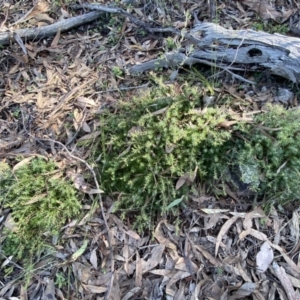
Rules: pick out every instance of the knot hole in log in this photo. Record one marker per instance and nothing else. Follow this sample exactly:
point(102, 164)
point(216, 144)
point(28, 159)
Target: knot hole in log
point(254, 52)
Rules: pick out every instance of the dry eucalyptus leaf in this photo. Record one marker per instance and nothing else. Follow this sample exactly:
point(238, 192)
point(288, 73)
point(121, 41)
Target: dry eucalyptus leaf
point(169, 148)
point(94, 259)
point(285, 281)
point(187, 177)
point(6, 261)
point(90, 136)
point(39, 8)
point(263, 8)
point(181, 181)
point(22, 163)
point(156, 255)
point(49, 292)
point(245, 290)
point(94, 289)
point(10, 223)
point(264, 257)
point(223, 231)
point(86, 127)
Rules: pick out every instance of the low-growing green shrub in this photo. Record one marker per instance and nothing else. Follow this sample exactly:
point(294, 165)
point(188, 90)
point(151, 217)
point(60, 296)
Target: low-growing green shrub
point(153, 140)
point(270, 158)
point(40, 205)
point(148, 143)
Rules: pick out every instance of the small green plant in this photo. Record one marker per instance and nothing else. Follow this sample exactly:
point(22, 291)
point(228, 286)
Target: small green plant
point(40, 206)
point(117, 71)
point(271, 27)
point(16, 113)
point(171, 44)
point(141, 32)
point(60, 280)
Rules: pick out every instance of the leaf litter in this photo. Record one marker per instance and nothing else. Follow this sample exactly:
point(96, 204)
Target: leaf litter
point(221, 251)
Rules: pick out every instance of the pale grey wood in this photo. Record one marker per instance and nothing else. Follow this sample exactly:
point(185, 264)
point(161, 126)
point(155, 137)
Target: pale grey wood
point(230, 49)
point(46, 31)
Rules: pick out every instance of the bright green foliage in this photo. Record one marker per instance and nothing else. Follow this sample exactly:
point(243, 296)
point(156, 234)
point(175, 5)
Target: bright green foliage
point(40, 205)
point(148, 143)
point(153, 140)
point(5, 171)
point(271, 157)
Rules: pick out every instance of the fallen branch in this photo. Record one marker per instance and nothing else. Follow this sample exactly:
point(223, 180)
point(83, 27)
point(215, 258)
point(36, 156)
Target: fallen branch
point(212, 45)
point(223, 48)
point(49, 30)
point(249, 49)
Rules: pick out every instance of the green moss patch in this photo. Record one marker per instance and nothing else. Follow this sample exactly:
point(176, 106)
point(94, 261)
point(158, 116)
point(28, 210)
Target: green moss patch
point(147, 144)
point(270, 156)
point(153, 140)
point(40, 205)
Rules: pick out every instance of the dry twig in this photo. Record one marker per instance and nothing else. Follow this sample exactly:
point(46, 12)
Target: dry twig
point(45, 31)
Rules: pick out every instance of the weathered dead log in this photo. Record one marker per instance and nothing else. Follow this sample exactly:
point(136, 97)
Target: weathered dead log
point(211, 44)
point(46, 31)
point(232, 49)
